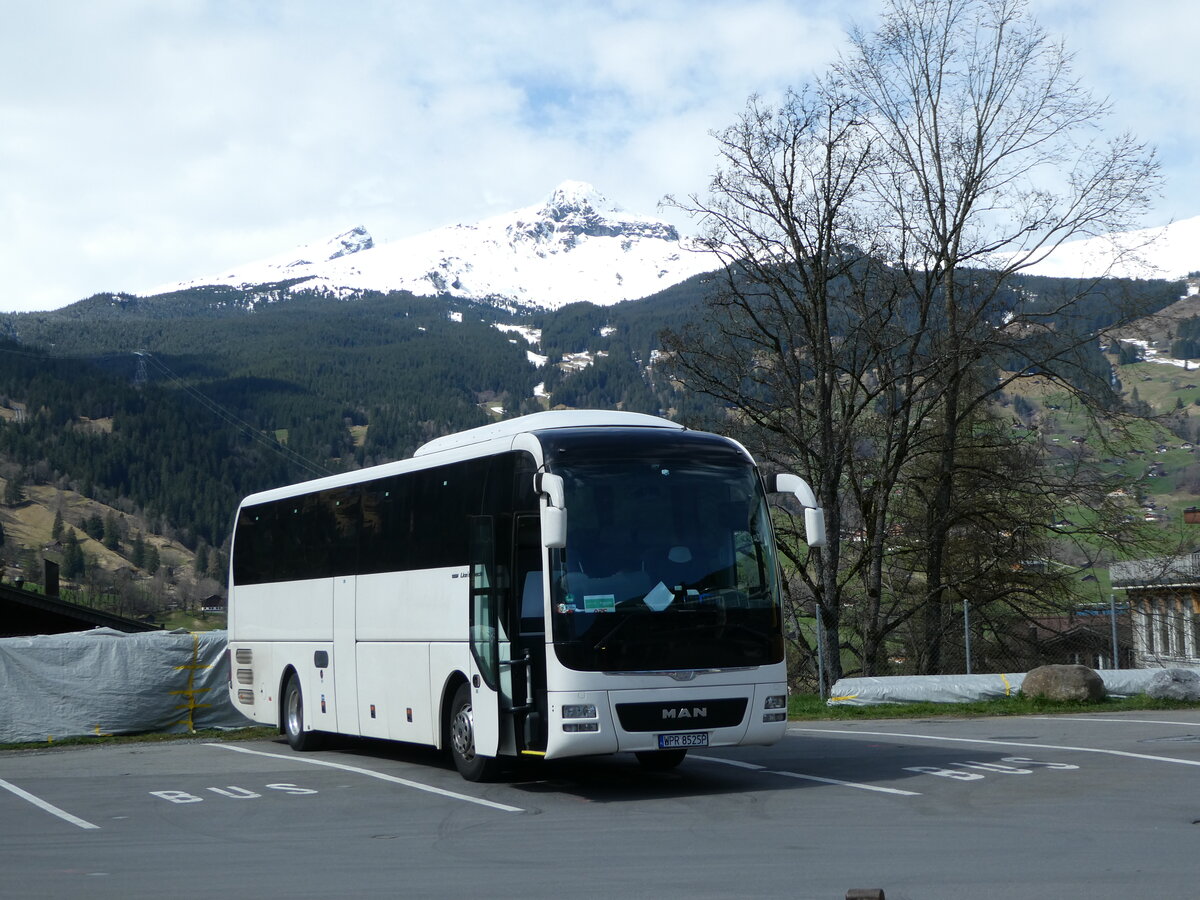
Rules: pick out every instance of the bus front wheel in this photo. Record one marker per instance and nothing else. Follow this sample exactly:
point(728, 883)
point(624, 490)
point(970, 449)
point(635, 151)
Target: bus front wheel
point(293, 718)
point(470, 765)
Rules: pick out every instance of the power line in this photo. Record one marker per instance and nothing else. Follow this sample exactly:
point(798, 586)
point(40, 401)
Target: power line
point(28, 354)
point(139, 376)
point(211, 405)
point(221, 412)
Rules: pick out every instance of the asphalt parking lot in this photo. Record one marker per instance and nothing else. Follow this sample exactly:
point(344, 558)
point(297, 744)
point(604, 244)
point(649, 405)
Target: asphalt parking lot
point(1085, 806)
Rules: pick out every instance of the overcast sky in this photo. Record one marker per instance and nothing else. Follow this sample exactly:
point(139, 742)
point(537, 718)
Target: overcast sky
point(146, 141)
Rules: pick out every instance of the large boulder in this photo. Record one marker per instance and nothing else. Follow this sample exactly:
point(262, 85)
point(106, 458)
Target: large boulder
point(1174, 684)
point(1063, 683)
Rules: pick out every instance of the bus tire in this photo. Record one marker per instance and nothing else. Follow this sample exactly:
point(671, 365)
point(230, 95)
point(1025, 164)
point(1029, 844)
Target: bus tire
point(461, 727)
point(293, 718)
point(660, 760)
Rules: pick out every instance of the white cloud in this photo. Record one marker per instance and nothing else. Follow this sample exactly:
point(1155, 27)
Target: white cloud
point(1139, 56)
point(144, 141)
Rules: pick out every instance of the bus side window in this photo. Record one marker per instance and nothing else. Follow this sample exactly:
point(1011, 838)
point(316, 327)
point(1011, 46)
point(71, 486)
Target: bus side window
point(254, 545)
point(384, 544)
point(532, 604)
point(529, 575)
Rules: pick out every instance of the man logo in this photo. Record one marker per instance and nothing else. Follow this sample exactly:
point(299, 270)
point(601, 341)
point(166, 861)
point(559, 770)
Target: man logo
point(684, 712)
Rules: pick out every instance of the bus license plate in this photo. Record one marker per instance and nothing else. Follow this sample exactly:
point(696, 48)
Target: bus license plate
point(690, 739)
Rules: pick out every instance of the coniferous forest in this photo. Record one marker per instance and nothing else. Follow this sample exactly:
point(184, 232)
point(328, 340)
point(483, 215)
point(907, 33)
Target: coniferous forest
point(177, 406)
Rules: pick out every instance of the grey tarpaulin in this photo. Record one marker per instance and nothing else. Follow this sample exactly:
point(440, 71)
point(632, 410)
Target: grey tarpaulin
point(964, 688)
point(107, 682)
point(923, 689)
point(1130, 682)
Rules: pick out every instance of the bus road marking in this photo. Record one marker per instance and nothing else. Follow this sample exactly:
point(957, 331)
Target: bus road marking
point(850, 784)
point(995, 743)
point(1117, 721)
point(726, 762)
point(372, 774)
point(47, 807)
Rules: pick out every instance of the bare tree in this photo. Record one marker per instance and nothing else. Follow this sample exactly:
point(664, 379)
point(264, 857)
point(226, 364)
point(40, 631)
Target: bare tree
point(874, 226)
point(794, 339)
point(989, 161)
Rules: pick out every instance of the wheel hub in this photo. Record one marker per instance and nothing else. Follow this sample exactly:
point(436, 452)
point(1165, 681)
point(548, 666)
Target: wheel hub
point(462, 733)
point(293, 712)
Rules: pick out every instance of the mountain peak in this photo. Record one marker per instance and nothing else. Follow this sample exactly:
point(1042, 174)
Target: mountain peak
point(336, 246)
point(573, 196)
point(575, 245)
point(577, 211)
point(353, 241)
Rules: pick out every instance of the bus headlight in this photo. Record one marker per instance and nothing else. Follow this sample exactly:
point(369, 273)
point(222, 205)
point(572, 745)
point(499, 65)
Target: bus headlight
point(579, 711)
point(775, 702)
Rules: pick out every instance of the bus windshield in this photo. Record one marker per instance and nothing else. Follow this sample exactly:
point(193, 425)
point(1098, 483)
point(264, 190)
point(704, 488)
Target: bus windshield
point(668, 564)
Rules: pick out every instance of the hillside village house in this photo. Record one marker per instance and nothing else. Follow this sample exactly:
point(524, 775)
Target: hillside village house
point(1164, 603)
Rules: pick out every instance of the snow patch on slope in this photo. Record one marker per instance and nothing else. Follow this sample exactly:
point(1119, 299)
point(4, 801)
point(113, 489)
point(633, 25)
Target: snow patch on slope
point(1169, 251)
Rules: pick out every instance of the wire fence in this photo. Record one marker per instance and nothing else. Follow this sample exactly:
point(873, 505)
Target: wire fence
point(966, 642)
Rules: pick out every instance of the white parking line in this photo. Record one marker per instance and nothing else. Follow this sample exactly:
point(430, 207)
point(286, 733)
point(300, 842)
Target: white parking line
point(1119, 721)
point(994, 743)
point(726, 762)
point(849, 784)
point(372, 774)
point(48, 807)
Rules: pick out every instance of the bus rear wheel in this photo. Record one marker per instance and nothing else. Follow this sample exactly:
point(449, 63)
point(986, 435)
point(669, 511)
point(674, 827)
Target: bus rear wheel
point(293, 718)
point(660, 760)
point(470, 764)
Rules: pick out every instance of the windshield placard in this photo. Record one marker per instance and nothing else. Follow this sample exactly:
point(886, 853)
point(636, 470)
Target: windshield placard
point(659, 598)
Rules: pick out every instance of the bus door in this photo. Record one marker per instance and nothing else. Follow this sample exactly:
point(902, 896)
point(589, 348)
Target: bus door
point(508, 634)
point(487, 642)
point(528, 623)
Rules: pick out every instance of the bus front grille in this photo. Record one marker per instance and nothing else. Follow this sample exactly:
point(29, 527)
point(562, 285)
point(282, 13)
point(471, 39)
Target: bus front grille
point(687, 715)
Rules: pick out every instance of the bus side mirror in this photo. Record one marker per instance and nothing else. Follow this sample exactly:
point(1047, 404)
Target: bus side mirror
point(814, 527)
point(554, 512)
point(814, 516)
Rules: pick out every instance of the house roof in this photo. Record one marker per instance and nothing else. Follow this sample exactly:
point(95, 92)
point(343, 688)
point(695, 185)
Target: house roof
point(25, 613)
point(1162, 571)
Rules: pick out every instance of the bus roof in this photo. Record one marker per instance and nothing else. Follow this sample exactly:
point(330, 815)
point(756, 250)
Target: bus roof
point(559, 418)
point(556, 419)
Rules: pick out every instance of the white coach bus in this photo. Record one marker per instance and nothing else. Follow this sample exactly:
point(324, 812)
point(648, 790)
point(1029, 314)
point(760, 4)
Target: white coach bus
point(561, 584)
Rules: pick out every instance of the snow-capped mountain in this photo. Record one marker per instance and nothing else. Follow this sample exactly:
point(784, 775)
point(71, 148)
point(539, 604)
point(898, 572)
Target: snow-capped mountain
point(1169, 251)
point(575, 246)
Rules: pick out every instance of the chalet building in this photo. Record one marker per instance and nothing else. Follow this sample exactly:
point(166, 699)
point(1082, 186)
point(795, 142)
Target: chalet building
point(1083, 637)
point(214, 603)
point(1164, 602)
